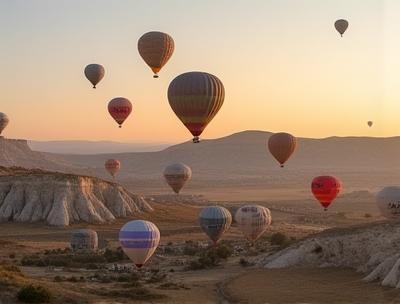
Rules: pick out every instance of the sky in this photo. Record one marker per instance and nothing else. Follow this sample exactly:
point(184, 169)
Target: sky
point(283, 65)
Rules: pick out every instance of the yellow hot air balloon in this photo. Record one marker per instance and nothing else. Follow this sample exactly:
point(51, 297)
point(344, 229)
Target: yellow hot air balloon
point(282, 145)
point(156, 49)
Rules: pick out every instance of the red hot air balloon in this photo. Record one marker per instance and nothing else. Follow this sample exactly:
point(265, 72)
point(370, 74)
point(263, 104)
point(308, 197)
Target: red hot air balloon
point(196, 98)
point(112, 166)
point(119, 109)
point(325, 189)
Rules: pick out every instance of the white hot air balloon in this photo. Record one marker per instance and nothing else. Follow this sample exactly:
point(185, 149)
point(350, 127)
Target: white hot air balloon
point(388, 202)
point(253, 220)
point(139, 239)
point(3, 121)
point(177, 175)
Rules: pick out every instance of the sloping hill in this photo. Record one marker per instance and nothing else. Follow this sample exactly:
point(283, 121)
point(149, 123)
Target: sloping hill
point(243, 156)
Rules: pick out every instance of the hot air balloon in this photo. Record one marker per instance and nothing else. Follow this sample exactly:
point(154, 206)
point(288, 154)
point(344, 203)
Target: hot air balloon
point(370, 123)
point(196, 98)
point(388, 201)
point(325, 189)
point(112, 166)
point(94, 73)
point(177, 175)
point(282, 146)
point(253, 220)
point(341, 26)
point(119, 109)
point(156, 49)
point(139, 239)
point(3, 121)
point(215, 220)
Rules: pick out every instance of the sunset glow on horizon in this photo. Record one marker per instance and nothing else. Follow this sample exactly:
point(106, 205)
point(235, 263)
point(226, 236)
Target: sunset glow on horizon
point(283, 65)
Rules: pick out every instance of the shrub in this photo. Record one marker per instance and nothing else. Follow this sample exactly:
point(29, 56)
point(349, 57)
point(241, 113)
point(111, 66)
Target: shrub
point(279, 239)
point(211, 257)
point(367, 215)
point(34, 294)
point(243, 262)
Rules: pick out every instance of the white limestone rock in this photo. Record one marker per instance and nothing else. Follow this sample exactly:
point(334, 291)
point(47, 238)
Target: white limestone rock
point(61, 199)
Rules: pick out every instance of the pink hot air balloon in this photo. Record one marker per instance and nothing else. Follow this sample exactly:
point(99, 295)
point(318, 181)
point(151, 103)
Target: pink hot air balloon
point(119, 108)
point(112, 166)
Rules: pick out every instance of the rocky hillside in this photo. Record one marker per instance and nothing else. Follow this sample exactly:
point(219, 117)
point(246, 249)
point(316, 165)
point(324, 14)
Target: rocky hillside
point(61, 199)
point(372, 249)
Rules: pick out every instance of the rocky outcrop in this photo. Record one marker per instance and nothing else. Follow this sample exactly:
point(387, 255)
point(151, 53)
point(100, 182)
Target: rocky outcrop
point(61, 199)
point(373, 249)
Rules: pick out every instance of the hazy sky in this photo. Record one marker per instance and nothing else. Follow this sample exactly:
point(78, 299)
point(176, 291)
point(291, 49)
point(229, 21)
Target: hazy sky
point(283, 65)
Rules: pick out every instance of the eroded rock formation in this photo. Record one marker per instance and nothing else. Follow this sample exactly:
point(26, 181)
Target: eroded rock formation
point(373, 249)
point(61, 199)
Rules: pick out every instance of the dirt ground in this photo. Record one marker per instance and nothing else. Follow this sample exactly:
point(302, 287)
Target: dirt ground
point(228, 282)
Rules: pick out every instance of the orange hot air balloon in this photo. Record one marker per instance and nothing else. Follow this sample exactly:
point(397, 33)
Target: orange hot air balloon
point(156, 49)
point(119, 109)
point(282, 145)
point(325, 189)
point(196, 98)
point(112, 166)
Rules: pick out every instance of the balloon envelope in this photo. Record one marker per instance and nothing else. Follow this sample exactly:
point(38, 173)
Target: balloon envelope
point(341, 26)
point(325, 189)
point(120, 108)
point(4, 120)
point(370, 123)
point(282, 145)
point(196, 98)
point(177, 175)
point(112, 166)
point(139, 239)
point(388, 202)
point(156, 49)
point(215, 220)
point(253, 220)
point(94, 73)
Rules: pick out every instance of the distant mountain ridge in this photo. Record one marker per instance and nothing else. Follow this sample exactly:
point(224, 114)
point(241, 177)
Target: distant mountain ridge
point(244, 156)
point(241, 158)
point(92, 147)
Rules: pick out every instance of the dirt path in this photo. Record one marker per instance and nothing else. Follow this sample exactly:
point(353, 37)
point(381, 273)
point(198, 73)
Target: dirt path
point(305, 285)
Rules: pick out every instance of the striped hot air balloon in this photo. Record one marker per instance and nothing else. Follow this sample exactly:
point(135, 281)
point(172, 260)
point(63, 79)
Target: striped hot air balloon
point(112, 166)
point(282, 145)
point(120, 108)
point(196, 98)
point(156, 49)
point(176, 175)
point(253, 220)
point(215, 220)
point(139, 239)
point(325, 189)
point(94, 73)
point(4, 120)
